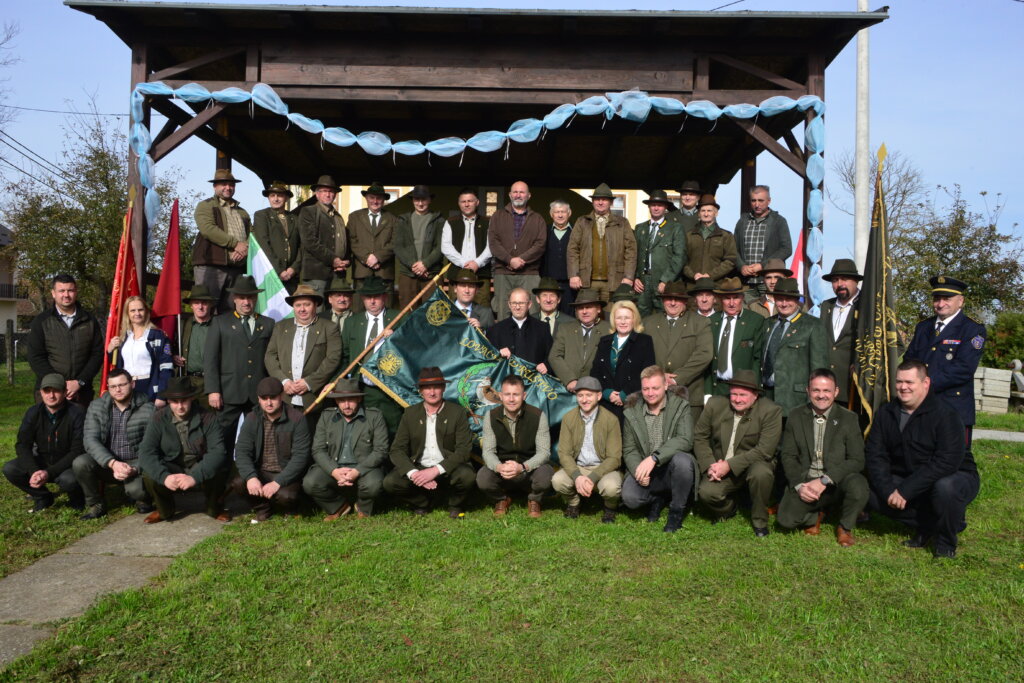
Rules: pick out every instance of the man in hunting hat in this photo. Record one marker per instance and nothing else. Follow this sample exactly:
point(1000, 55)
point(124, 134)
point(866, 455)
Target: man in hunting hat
point(324, 240)
point(950, 343)
point(710, 250)
point(233, 357)
point(823, 458)
point(516, 450)
point(466, 283)
point(48, 441)
point(360, 331)
point(602, 248)
point(660, 251)
point(372, 231)
point(794, 345)
point(304, 351)
point(272, 453)
point(464, 243)
point(277, 231)
point(689, 197)
point(737, 337)
point(548, 295)
point(418, 246)
point(194, 330)
point(702, 297)
point(431, 450)
point(574, 346)
point(183, 447)
point(339, 298)
point(773, 271)
point(517, 236)
point(760, 235)
point(734, 442)
point(221, 247)
point(682, 344)
point(554, 263)
point(350, 448)
point(839, 318)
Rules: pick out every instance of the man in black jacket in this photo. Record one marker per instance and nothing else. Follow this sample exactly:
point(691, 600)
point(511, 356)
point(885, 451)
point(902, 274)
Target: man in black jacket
point(920, 470)
point(520, 334)
point(49, 440)
point(66, 340)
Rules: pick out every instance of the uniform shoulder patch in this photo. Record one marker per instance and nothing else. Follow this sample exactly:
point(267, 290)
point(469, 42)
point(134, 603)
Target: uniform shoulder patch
point(978, 342)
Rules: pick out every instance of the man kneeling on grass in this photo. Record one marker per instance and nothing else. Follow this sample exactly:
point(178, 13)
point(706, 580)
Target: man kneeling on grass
point(823, 456)
point(657, 443)
point(114, 426)
point(350, 448)
point(431, 450)
point(49, 440)
point(590, 452)
point(272, 452)
point(183, 448)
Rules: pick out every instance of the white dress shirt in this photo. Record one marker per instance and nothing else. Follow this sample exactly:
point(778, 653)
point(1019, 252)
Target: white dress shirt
point(299, 355)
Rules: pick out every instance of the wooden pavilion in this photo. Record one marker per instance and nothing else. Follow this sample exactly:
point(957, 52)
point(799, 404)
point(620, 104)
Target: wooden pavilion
point(427, 73)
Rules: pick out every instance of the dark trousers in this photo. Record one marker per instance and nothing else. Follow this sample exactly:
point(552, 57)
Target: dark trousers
point(286, 496)
point(19, 476)
point(672, 482)
point(568, 296)
point(410, 286)
point(92, 476)
point(325, 492)
point(213, 491)
point(648, 301)
point(851, 495)
point(719, 496)
point(457, 484)
point(227, 418)
point(218, 279)
point(537, 483)
point(375, 398)
point(940, 512)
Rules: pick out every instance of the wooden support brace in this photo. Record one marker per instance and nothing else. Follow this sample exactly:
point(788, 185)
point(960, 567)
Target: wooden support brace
point(776, 79)
point(202, 60)
point(168, 145)
point(795, 163)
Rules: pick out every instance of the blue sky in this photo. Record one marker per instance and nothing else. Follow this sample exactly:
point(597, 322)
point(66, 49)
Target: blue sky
point(945, 90)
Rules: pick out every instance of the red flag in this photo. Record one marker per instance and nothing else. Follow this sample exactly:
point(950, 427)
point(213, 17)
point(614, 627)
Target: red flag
point(126, 284)
point(797, 265)
point(167, 302)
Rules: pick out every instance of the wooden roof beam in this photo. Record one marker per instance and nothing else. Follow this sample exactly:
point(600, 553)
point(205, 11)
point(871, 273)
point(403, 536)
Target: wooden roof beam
point(190, 64)
point(764, 74)
point(187, 130)
point(795, 163)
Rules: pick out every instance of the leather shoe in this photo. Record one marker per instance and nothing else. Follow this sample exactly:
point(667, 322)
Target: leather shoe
point(144, 508)
point(916, 541)
point(224, 517)
point(502, 506)
point(360, 514)
point(533, 507)
point(946, 554)
point(815, 528)
point(675, 520)
point(844, 537)
point(421, 512)
point(42, 503)
point(760, 531)
point(153, 517)
point(608, 517)
point(724, 517)
point(572, 512)
point(340, 512)
point(455, 513)
point(654, 512)
point(95, 512)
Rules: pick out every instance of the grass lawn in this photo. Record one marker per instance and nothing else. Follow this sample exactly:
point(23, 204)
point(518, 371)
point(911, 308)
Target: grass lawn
point(1010, 422)
point(25, 538)
point(403, 598)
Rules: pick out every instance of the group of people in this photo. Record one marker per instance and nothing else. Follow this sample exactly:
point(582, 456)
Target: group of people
point(698, 373)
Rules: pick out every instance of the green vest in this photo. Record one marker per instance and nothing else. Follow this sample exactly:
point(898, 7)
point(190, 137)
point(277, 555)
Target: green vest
point(524, 446)
point(599, 267)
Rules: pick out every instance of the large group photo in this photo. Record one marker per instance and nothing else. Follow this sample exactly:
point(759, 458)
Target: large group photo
point(389, 393)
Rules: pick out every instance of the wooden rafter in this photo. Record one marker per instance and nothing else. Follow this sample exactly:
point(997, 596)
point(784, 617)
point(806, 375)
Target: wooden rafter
point(774, 78)
point(201, 60)
point(186, 130)
point(795, 163)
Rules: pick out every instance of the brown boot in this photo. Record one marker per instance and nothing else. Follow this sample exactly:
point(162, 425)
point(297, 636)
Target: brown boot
point(339, 513)
point(153, 517)
point(816, 528)
point(533, 506)
point(843, 536)
point(502, 506)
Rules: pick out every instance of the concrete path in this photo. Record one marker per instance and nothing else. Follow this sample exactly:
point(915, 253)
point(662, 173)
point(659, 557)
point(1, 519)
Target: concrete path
point(994, 435)
point(122, 555)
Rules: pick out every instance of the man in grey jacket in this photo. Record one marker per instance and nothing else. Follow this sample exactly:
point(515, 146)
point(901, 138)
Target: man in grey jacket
point(114, 426)
point(762, 234)
point(657, 446)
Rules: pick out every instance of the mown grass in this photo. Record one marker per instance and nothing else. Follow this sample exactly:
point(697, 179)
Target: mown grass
point(25, 538)
point(1008, 422)
point(403, 598)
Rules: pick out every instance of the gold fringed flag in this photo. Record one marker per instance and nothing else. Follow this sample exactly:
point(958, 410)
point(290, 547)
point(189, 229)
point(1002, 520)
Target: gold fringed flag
point(126, 284)
point(876, 345)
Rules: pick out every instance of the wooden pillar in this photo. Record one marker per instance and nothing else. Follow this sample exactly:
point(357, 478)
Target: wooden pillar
point(139, 230)
point(223, 160)
point(748, 178)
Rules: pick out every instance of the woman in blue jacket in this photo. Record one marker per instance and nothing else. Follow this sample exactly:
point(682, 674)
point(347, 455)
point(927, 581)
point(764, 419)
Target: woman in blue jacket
point(143, 350)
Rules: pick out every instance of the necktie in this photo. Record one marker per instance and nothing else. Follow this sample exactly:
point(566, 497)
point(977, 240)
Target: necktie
point(245, 326)
point(547, 321)
point(373, 331)
point(774, 342)
point(672, 323)
point(723, 346)
point(938, 328)
point(373, 221)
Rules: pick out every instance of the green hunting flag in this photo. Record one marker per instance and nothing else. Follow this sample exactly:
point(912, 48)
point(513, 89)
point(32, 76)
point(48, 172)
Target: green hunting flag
point(876, 349)
point(270, 302)
point(438, 334)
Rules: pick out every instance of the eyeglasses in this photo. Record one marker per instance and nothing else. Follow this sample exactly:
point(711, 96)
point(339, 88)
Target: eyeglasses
point(117, 386)
point(518, 303)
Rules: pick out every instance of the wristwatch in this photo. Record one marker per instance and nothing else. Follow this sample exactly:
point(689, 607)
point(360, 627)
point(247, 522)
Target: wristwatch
point(654, 457)
point(825, 480)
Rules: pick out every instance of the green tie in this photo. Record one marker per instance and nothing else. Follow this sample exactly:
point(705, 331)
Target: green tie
point(723, 346)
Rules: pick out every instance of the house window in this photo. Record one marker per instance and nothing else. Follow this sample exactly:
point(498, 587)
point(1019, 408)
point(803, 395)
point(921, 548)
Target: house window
point(619, 205)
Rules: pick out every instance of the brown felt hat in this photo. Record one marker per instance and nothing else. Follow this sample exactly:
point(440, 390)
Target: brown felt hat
point(179, 388)
point(346, 388)
point(787, 286)
point(731, 285)
point(548, 284)
point(776, 265)
point(659, 197)
point(587, 297)
point(705, 284)
point(431, 376)
point(602, 191)
point(223, 175)
point(674, 290)
point(325, 181)
point(307, 292)
point(278, 187)
point(746, 379)
point(464, 276)
point(708, 200)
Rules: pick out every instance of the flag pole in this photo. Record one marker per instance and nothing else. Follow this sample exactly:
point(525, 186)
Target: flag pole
point(329, 387)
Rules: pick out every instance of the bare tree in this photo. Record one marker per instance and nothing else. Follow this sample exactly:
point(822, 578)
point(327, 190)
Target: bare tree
point(7, 60)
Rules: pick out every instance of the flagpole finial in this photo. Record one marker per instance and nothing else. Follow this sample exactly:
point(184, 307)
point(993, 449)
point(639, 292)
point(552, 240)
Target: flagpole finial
point(882, 154)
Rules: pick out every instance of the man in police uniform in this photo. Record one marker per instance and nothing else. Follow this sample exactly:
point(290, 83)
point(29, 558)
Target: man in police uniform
point(950, 344)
